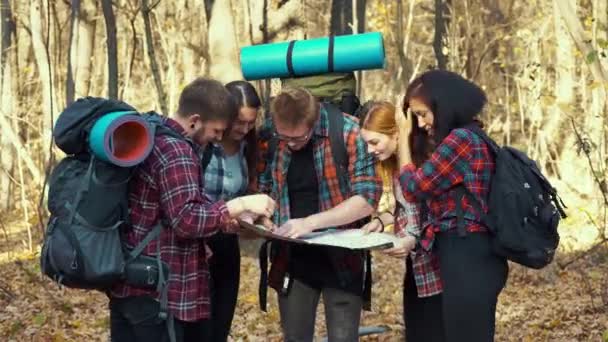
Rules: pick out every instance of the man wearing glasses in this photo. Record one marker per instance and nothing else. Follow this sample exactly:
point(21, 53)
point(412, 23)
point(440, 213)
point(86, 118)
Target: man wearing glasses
point(302, 177)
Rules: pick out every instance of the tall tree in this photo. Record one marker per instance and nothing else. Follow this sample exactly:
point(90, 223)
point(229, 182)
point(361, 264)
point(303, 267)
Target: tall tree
point(341, 20)
point(80, 49)
point(442, 21)
point(223, 50)
point(108, 14)
point(8, 96)
point(39, 21)
point(162, 98)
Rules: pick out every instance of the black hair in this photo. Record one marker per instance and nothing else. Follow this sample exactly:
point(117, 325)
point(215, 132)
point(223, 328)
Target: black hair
point(244, 93)
point(454, 101)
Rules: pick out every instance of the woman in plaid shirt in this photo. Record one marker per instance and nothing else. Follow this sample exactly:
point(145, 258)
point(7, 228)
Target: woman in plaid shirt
point(423, 280)
point(439, 156)
point(230, 173)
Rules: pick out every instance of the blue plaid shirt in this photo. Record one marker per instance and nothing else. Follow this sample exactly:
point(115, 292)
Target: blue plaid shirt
point(214, 174)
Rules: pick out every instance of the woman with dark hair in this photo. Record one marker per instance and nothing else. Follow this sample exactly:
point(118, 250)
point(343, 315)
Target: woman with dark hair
point(230, 173)
point(441, 159)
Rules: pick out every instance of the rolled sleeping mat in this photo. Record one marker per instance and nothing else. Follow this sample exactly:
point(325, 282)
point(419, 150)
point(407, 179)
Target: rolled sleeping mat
point(122, 138)
point(313, 56)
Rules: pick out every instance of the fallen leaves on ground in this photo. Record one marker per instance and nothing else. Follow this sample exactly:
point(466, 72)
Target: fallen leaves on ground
point(546, 305)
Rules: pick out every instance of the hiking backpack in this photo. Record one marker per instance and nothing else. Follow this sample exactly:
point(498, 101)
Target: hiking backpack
point(339, 89)
point(88, 203)
point(524, 210)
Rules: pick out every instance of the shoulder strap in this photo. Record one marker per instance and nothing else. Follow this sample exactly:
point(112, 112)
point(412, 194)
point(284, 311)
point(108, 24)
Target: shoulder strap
point(484, 136)
point(206, 158)
point(336, 139)
point(338, 146)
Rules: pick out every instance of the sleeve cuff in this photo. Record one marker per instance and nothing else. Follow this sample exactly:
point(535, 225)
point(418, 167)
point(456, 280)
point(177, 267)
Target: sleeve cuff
point(224, 213)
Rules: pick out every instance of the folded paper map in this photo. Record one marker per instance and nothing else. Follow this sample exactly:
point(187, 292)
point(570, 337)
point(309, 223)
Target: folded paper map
point(345, 238)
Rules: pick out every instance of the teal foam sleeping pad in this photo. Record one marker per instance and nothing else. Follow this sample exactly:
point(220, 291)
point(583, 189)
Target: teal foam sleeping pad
point(312, 57)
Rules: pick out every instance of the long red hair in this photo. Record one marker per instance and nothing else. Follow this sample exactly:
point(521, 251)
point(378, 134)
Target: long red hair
point(380, 118)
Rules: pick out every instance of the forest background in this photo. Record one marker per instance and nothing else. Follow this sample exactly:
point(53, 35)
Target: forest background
point(543, 64)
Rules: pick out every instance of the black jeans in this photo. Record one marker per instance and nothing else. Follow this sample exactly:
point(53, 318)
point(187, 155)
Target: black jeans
point(225, 276)
point(135, 319)
point(473, 277)
point(299, 309)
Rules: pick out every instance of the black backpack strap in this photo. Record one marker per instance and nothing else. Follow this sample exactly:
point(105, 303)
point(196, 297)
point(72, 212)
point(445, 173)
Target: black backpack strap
point(206, 158)
point(153, 234)
point(484, 136)
point(338, 146)
point(367, 282)
point(163, 289)
point(263, 288)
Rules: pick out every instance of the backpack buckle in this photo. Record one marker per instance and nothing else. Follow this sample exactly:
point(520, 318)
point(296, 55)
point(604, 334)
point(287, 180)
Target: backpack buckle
point(150, 280)
point(74, 264)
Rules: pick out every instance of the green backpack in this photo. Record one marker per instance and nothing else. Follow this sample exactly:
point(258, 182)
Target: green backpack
point(339, 89)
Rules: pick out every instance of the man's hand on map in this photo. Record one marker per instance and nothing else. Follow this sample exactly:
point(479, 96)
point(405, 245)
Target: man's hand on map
point(267, 223)
point(402, 248)
point(295, 228)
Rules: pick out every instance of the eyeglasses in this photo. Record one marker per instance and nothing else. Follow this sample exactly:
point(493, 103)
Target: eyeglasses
point(299, 139)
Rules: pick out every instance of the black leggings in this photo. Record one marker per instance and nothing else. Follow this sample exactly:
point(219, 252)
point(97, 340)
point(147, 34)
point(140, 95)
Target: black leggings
point(225, 275)
point(472, 277)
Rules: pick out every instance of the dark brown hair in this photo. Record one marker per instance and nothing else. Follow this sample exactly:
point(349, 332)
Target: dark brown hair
point(209, 99)
point(245, 95)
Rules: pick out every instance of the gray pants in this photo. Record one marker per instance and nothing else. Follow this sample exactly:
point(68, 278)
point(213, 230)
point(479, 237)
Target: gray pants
point(299, 308)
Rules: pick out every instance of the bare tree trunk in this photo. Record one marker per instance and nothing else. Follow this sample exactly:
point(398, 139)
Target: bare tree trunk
point(195, 55)
point(108, 14)
point(570, 160)
point(598, 118)
point(222, 43)
point(7, 30)
point(37, 18)
point(402, 40)
point(129, 62)
point(576, 31)
point(80, 50)
point(564, 86)
point(341, 17)
point(162, 99)
point(442, 21)
point(7, 130)
point(69, 83)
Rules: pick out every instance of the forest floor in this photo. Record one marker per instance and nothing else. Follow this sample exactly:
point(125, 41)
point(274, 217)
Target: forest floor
point(552, 304)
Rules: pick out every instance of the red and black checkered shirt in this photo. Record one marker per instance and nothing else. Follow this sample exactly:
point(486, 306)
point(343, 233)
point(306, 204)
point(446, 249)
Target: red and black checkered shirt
point(461, 158)
point(168, 186)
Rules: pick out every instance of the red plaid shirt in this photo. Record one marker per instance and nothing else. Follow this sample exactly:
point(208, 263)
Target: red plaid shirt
point(168, 185)
point(364, 181)
point(461, 158)
point(425, 264)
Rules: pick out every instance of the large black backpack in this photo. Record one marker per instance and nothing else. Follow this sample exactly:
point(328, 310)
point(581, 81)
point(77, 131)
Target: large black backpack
point(88, 203)
point(524, 210)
